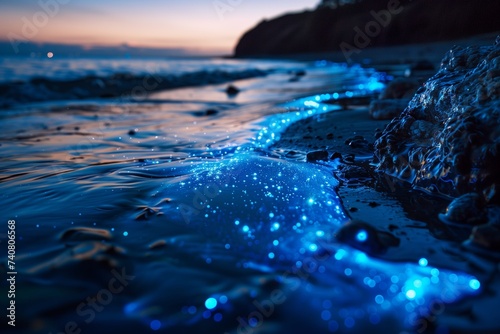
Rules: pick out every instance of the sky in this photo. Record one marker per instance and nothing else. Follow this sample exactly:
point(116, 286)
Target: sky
point(196, 25)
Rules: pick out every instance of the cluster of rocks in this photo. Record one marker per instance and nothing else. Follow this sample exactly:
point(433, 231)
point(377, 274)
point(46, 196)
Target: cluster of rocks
point(447, 140)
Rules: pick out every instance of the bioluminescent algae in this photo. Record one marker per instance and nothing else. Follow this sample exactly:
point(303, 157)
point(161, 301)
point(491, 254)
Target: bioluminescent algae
point(273, 217)
point(258, 203)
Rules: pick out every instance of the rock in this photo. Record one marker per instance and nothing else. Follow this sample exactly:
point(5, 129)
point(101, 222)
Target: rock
point(468, 209)
point(487, 236)
point(448, 138)
point(232, 90)
point(365, 237)
point(387, 109)
point(359, 142)
point(85, 233)
point(317, 155)
point(336, 155)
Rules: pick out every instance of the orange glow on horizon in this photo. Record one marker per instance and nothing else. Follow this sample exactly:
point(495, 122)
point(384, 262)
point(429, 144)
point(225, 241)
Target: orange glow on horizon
point(203, 27)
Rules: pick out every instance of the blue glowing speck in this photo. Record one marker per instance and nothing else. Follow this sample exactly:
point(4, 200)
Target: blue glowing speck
point(155, 325)
point(236, 222)
point(223, 299)
point(411, 294)
point(320, 233)
point(125, 233)
point(246, 228)
point(313, 247)
point(362, 236)
point(348, 271)
point(210, 303)
point(379, 299)
point(310, 201)
point(271, 255)
point(218, 317)
point(340, 254)
point(276, 242)
point(275, 227)
point(423, 262)
point(474, 284)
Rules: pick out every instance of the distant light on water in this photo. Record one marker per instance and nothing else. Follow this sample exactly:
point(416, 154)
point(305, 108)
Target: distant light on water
point(50, 55)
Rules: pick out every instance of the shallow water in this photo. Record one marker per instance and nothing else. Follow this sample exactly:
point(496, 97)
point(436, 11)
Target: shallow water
point(203, 227)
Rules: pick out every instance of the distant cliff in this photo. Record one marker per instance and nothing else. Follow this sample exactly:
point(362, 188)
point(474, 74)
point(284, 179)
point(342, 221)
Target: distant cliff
point(369, 23)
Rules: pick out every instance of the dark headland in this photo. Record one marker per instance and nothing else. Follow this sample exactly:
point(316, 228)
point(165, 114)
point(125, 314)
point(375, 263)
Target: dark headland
point(353, 27)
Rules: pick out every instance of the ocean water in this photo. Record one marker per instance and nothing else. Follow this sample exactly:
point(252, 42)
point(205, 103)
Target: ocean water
point(160, 208)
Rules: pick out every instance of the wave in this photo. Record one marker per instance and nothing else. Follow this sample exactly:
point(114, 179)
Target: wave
point(125, 86)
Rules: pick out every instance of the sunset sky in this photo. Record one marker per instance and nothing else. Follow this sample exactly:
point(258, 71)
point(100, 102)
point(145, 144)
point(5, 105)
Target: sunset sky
point(197, 25)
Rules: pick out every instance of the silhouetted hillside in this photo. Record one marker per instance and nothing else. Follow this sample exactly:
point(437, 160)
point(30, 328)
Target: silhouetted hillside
point(370, 23)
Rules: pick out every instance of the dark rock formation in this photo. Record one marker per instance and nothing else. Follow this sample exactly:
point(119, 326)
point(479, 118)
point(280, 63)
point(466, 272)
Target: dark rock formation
point(448, 138)
point(325, 29)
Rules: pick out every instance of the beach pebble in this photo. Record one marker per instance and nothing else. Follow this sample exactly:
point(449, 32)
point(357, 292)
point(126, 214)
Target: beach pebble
point(468, 209)
point(365, 237)
point(358, 142)
point(317, 155)
point(336, 155)
point(157, 244)
point(232, 90)
point(85, 233)
point(487, 236)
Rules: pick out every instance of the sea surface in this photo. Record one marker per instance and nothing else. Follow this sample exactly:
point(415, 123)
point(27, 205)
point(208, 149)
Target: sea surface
point(157, 206)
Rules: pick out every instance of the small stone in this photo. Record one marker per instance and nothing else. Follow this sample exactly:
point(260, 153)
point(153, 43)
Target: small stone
point(232, 90)
point(85, 233)
point(487, 236)
point(210, 112)
point(317, 155)
point(158, 244)
point(468, 209)
point(336, 155)
point(365, 237)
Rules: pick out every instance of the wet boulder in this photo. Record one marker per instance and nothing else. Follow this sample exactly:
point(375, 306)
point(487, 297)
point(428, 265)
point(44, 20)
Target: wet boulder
point(448, 138)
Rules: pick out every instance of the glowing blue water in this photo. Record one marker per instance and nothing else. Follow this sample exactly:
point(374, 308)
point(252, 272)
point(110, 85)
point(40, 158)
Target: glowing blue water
point(210, 223)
